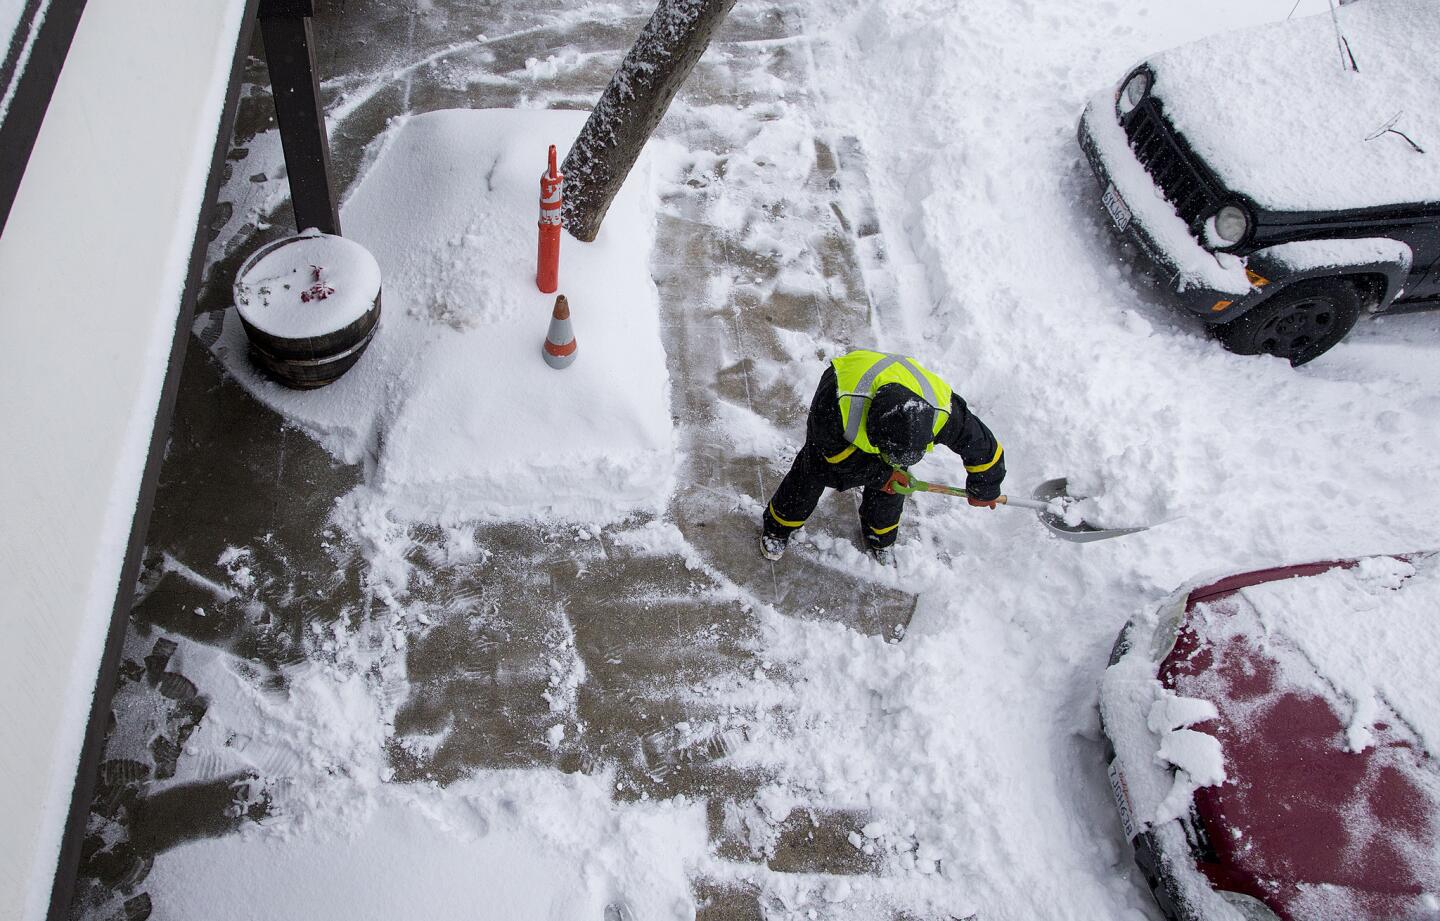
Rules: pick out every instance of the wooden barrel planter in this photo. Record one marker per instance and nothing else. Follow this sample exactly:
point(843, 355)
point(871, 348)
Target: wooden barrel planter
point(310, 305)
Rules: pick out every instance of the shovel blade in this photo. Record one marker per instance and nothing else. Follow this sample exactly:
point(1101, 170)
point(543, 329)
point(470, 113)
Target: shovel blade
point(1079, 533)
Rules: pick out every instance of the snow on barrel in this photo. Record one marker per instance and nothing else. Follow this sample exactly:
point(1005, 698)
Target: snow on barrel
point(310, 305)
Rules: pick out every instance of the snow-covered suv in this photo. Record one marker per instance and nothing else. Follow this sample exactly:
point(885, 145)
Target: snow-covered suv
point(1286, 177)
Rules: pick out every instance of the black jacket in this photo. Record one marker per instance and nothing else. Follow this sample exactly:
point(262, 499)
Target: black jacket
point(963, 433)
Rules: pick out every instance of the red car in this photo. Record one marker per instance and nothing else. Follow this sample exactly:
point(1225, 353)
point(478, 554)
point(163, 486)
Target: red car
point(1273, 741)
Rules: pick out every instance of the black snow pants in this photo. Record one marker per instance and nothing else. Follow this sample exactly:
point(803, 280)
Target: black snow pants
point(812, 473)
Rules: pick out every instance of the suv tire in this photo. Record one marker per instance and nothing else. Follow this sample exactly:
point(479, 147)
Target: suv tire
point(1299, 323)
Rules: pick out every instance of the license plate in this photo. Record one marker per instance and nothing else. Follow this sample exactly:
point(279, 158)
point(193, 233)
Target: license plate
point(1122, 803)
point(1119, 211)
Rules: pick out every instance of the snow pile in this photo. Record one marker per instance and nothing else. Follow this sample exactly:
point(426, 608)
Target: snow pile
point(1163, 760)
point(310, 285)
point(1287, 123)
point(453, 403)
point(1372, 634)
point(311, 758)
point(1196, 756)
point(506, 846)
point(311, 742)
point(327, 725)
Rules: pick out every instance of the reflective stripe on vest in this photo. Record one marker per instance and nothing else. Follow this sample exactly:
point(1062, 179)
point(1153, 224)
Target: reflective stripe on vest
point(862, 372)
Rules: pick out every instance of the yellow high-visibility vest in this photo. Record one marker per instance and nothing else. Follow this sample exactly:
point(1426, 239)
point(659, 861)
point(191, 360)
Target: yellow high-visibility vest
point(862, 372)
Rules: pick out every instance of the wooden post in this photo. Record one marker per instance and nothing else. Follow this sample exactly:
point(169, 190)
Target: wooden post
point(290, 57)
point(633, 104)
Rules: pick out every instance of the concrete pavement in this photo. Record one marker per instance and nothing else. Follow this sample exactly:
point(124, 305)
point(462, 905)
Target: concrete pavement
point(494, 662)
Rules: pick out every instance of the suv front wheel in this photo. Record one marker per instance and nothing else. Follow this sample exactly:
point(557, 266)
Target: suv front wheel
point(1299, 323)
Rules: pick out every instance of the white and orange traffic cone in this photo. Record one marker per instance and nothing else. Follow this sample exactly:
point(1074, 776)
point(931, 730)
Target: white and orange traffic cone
point(560, 340)
point(552, 200)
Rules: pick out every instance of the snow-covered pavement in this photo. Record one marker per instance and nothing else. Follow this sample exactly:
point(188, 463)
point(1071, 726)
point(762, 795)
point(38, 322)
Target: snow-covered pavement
point(1009, 282)
point(675, 725)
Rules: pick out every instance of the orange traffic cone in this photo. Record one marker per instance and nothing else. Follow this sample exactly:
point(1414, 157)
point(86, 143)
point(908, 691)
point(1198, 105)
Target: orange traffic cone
point(560, 341)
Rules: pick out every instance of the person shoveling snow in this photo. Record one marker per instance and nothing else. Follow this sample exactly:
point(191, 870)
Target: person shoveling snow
point(873, 416)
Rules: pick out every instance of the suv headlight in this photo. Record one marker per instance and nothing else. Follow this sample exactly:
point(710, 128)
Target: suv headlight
point(1133, 92)
point(1232, 223)
point(1251, 908)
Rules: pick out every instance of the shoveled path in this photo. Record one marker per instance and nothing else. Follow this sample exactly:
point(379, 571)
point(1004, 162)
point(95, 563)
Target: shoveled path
point(634, 652)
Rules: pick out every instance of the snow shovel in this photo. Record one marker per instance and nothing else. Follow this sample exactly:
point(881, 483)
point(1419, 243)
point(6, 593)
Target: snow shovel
point(1048, 495)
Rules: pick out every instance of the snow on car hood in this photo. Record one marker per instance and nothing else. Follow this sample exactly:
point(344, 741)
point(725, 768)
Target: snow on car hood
point(1362, 642)
point(1272, 111)
point(1326, 693)
point(1371, 633)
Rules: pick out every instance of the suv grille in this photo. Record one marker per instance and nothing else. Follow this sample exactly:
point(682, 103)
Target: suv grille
point(1169, 163)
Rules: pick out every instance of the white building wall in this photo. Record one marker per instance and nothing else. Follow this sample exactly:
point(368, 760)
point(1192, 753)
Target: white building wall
point(92, 266)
